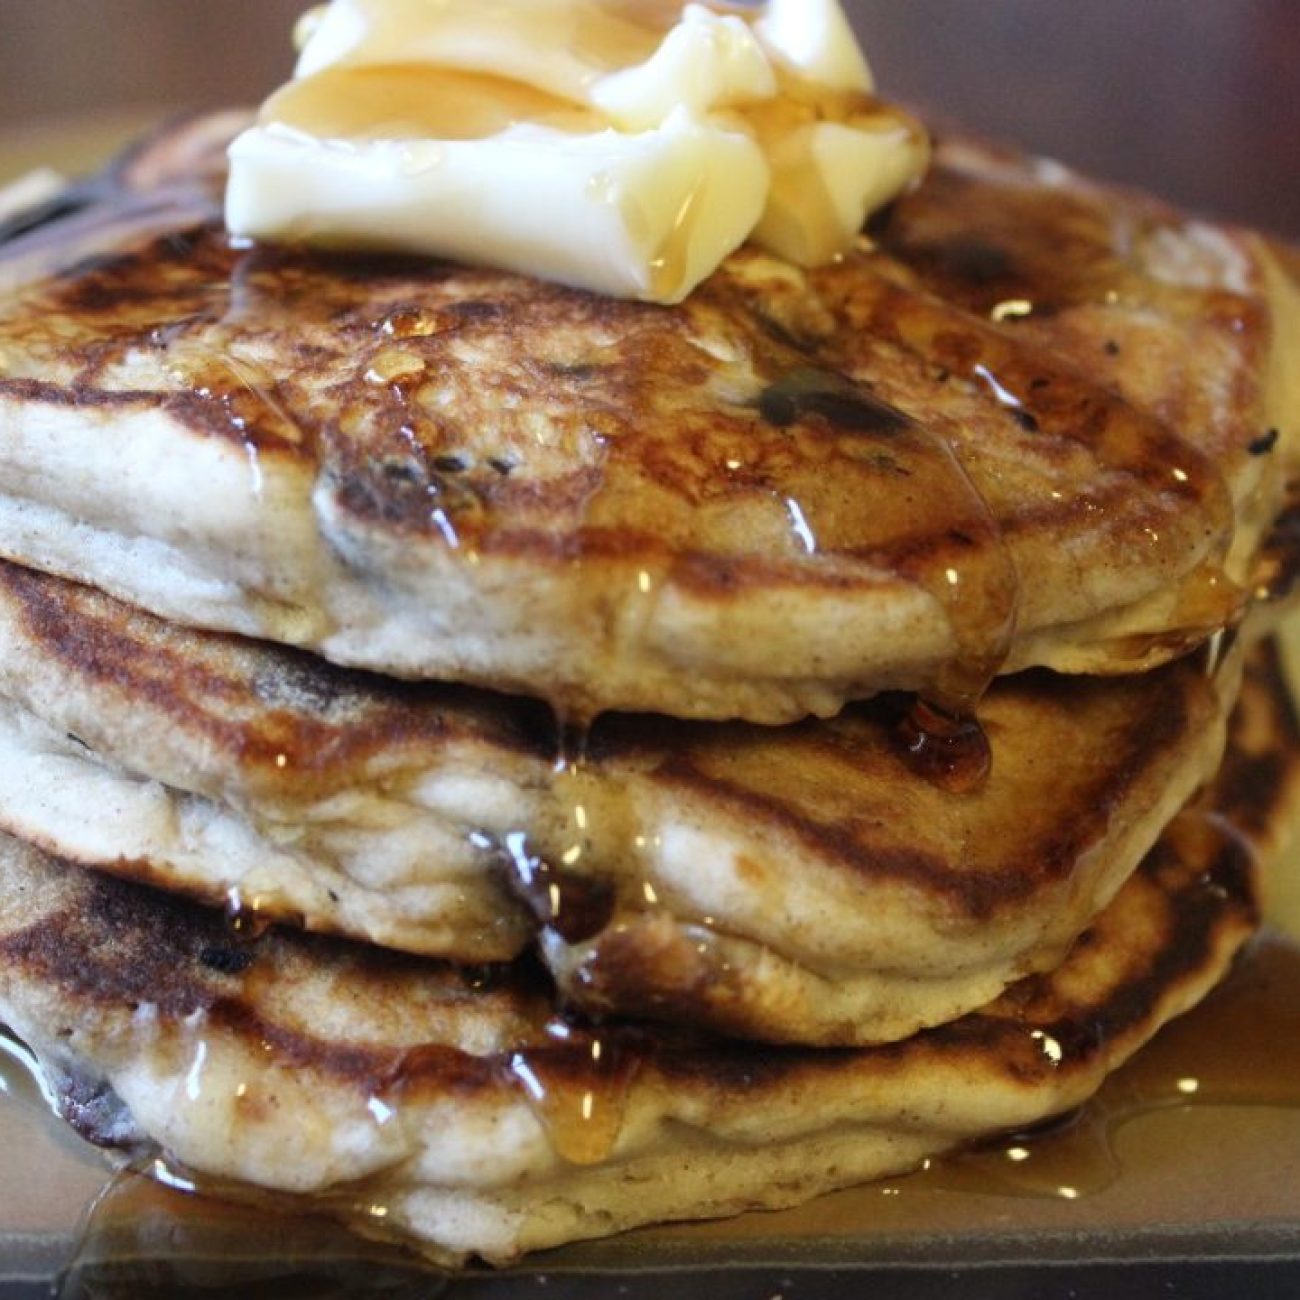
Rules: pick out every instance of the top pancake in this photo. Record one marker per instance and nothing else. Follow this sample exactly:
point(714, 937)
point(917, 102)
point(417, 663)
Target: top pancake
point(791, 491)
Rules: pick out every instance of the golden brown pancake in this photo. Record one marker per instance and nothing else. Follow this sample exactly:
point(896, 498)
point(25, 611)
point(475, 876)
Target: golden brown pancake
point(791, 491)
point(790, 884)
point(456, 1112)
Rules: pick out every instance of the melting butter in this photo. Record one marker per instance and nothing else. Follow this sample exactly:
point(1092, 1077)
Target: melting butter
point(625, 147)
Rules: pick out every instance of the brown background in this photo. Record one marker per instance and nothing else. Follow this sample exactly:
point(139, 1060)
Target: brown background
point(1199, 99)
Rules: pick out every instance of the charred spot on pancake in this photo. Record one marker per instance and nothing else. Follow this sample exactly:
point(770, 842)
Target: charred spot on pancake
point(299, 683)
point(808, 391)
point(94, 1109)
point(227, 960)
point(451, 464)
point(1265, 443)
point(121, 942)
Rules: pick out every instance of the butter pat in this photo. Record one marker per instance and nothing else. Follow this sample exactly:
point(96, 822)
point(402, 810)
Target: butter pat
point(814, 38)
point(625, 147)
point(647, 216)
point(707, 62)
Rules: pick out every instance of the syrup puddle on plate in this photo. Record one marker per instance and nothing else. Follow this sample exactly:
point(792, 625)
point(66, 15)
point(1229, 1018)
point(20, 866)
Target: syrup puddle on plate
point(1235, 1058)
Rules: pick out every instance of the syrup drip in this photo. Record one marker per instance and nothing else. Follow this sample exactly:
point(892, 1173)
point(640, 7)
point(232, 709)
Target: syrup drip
point(1007, 263)
point(148, 1240)
point(973, 582)
point(245, 917)
point(578, 1085)
point(559, 895)
point(671, 262)
point(1240, 1050)
point(1236, 1054)
point(950, 752)
point(576, 907)
point(724, 496)
point(1208, 603)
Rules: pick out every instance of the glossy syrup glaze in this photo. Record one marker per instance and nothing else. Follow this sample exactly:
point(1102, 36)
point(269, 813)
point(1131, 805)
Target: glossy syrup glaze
point(107, 944)
point(1237, 1052)
point(797, 452)
point(916, 437)
point(1085, 1159)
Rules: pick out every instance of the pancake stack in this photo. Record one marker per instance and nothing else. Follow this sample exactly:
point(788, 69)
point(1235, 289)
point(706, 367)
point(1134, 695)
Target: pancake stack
point(505, 765)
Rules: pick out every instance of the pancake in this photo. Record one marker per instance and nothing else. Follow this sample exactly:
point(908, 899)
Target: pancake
point(789, 492)
point(414, 1101)
point(789, 884)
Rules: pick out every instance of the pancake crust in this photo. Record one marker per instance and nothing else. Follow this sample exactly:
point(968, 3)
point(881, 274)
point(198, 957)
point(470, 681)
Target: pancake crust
point(793, 884)
point(412, 1100)
point(789, 492)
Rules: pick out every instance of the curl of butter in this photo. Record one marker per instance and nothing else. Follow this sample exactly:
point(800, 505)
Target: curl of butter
point(621, 146)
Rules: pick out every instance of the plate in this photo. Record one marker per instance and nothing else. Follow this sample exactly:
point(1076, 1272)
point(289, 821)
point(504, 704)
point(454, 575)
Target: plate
point(1181, 1179)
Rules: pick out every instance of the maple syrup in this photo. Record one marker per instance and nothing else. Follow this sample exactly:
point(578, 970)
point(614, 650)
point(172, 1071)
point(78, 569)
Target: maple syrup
point(1238, 1051)
point(802, 217)
point(948, 751)
point(972, 578)
point(576, 907)
point(1235, 1056)
point(246, 916)
point(1252, 1022)
point(418, 102)
point(578, 1085)
point(143, 1240)
point(670, 265)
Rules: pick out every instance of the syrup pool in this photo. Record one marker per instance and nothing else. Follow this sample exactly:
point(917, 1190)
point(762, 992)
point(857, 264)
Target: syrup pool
point(1200, 1128)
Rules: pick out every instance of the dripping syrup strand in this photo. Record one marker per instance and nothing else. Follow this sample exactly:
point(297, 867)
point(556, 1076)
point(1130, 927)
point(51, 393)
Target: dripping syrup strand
point(579, 1087)
point(578, 1080)
point(563, 897)
point(938, 737)
point(950, 751)
point(974, 581)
